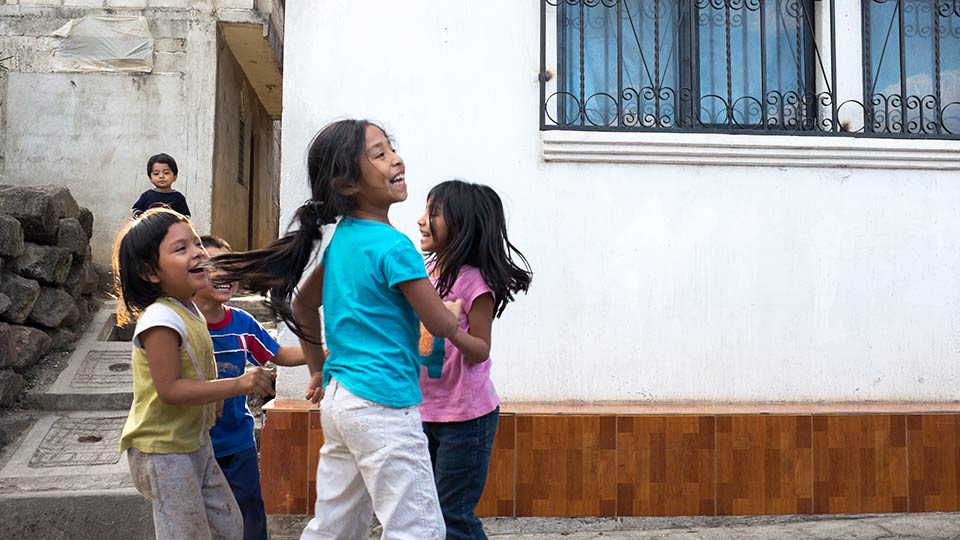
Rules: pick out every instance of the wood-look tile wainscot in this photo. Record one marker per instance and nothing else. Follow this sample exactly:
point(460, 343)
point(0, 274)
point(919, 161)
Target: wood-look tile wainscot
point(499, 496)
point(665, 465)
point(631, 460)
point(566, 465)
point(933, 447)
point(283, 459)
point(764, 465)
point(859, 464)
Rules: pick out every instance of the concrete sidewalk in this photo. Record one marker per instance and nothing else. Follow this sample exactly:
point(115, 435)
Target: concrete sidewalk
point(932, 526)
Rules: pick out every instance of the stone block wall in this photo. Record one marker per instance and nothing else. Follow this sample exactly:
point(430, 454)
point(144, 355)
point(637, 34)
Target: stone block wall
point(48, 281)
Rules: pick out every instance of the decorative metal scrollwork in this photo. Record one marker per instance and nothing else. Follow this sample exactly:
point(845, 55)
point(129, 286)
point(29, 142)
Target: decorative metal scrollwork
point(705, 65)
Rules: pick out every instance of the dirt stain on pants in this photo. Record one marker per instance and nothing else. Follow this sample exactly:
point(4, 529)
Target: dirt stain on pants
point(191, 498)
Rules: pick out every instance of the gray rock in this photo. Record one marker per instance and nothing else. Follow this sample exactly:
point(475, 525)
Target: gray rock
point(82, 278)
point(8, 349)
point(31, 344)
point(84, 313)
point(105, 279)
point(47, 264)
point(11, 385)
point(72, 237)
point(54, 307)
point(74, 282)
point(86, 221)
point(62, 339)
point(11, 236)
point(91, 281)
point(63, 201)
point(23, 294)
point(5, 303)
point(90, 306)
point(35, 210)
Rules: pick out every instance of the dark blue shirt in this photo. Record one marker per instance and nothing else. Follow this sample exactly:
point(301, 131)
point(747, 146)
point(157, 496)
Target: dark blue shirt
point(152, 198)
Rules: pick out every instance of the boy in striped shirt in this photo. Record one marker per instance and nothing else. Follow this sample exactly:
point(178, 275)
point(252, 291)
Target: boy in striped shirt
point(238, 339)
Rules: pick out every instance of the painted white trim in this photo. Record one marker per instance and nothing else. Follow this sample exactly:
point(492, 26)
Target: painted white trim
point(749, 150)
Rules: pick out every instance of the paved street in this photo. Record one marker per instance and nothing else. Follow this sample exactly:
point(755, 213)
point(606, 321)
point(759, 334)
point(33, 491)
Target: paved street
point(867, 527)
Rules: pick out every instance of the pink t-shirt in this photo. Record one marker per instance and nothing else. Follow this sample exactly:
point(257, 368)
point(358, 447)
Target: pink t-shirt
point(464, 390)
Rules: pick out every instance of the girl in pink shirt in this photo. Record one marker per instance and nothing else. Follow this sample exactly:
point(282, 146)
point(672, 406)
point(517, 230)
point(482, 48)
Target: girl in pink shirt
point(470, 259)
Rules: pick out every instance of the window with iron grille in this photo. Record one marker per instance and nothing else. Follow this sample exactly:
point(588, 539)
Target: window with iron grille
point(911, 54)
point(759, 66)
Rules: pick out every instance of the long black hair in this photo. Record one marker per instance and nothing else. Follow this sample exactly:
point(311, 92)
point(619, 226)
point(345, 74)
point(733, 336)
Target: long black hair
point(476, 236)
point(333, 167)
point(136, 253)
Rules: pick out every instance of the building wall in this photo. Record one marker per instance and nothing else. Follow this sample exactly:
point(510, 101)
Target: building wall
point(93, 132)
point(652, 282)
point(237, 211)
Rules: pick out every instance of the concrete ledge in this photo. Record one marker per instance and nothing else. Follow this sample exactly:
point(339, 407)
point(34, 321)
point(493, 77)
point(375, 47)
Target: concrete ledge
point(629, 408)
point(749, 150)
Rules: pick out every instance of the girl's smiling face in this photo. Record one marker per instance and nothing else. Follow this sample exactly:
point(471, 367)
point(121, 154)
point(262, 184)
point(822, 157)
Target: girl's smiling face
point(433, 230)
point(179, 272)
point(383, 174)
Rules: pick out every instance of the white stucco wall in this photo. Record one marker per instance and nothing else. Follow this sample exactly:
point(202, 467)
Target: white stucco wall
point(652, 282)
point(93, 132)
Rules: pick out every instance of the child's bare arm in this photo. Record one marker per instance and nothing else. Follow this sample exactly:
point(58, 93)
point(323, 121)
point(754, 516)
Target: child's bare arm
point(475, 345)
point(306, 311)
point(289, 357)
point(434, 315)
point(162, 346)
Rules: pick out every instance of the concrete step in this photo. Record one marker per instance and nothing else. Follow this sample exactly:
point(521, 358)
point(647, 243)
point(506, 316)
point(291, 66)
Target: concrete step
point(63, 476)
point(69, 450)
point(97, 375)
point(77, 515)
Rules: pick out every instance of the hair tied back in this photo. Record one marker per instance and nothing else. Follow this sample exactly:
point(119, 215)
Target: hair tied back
point(313, 211)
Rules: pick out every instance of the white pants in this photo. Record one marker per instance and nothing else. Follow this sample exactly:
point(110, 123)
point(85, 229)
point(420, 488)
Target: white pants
point(374, 459)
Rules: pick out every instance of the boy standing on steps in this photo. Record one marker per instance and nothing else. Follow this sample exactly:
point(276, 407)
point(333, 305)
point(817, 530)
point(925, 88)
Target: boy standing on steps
point(162, 172)
point(238, 339)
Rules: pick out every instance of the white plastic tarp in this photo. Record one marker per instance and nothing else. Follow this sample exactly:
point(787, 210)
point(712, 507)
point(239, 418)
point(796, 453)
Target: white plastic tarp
point(103, 43)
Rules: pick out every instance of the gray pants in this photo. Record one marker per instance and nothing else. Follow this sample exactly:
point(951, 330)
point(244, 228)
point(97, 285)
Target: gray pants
point(191, 498)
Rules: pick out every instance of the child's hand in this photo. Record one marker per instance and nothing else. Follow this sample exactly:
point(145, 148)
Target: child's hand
point(220, 409)
point(257, 381)
point(315, 387)
point(455, 307)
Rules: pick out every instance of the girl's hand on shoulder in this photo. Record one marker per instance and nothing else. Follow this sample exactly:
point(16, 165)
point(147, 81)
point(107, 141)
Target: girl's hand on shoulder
point(455, 307)
point(257, 381)
point(315, 387)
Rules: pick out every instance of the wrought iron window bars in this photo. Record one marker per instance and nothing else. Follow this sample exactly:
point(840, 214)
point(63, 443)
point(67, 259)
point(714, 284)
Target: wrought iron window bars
point(752, 66)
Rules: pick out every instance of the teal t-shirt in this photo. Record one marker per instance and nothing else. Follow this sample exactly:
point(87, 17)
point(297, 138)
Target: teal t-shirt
point(371, 331)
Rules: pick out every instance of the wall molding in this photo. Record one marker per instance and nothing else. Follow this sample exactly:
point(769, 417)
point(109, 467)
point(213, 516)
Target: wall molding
point(749, 150)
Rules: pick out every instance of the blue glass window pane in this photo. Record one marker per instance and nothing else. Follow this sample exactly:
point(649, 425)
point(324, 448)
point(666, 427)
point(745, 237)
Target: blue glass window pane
point(914, 66)
point(686, 63)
